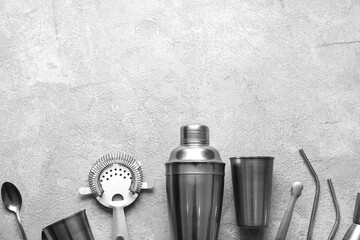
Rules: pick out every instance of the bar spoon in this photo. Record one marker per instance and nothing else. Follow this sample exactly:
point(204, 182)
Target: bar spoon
point(12, 200)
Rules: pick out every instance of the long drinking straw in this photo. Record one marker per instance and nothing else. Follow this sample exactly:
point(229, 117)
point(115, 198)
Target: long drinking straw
point(317, 194)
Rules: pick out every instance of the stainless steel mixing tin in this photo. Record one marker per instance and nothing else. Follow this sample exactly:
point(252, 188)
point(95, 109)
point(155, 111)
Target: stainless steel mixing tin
point(252, 185)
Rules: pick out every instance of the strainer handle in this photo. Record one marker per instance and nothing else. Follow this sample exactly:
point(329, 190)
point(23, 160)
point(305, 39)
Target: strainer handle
point(119, 228)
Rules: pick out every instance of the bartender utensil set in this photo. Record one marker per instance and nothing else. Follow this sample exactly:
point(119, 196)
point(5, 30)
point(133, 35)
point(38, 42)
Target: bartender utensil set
point(194, 186)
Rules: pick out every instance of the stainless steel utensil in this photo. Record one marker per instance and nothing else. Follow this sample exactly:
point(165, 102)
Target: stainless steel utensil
point(116, 180)
point(74, 227)
point(337, 210)
point(285, 222)
point(317, 194)
point(252, 184)
point(194, 186)
point(12, 200)
point(354, 231)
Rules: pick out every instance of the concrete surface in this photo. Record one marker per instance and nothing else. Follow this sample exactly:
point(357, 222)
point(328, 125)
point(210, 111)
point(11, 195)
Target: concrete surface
point(80, 79)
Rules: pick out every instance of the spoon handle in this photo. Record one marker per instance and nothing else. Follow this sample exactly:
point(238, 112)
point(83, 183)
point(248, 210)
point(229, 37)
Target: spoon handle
point(285, 222)
point(20, 225)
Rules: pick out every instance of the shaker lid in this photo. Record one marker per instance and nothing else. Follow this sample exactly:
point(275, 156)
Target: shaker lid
point(194, 134)
point(194, 146)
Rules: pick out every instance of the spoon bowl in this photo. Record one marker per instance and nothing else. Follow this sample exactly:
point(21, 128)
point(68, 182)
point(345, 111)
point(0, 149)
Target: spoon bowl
point(11, 197)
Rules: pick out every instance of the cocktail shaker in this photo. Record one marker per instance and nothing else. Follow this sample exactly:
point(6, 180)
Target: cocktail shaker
point(194, 186)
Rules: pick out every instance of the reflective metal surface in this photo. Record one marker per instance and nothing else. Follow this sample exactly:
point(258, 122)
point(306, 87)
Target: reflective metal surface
point(285, 222)
point(252, 184)
point(316, 197)
point(74, 227)
point(354, 231)
point(337, 210)
point(356, 217)
point(116, 180)
point(194, 186)
point(12, 200)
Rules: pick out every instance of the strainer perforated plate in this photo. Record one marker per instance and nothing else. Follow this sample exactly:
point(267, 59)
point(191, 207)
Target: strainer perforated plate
point(115, 181)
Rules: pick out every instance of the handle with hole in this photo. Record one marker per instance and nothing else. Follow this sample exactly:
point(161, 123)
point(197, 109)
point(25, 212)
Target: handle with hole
point(119, 228)
point(285, 222)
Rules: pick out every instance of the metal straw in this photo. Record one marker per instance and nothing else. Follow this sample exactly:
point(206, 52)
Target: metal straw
point(337, 210)
point(317, 194)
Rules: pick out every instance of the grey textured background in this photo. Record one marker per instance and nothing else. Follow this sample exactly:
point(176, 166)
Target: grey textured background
point(80, 79)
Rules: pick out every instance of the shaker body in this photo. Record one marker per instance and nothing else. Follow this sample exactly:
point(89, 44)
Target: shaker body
point(195, 203)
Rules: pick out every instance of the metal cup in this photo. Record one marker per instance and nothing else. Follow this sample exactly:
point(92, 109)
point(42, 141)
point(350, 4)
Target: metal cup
point(252, 184)
point(74, 227)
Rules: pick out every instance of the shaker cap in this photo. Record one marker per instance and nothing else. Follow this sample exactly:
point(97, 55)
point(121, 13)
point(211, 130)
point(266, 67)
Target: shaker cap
point(194, 134)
